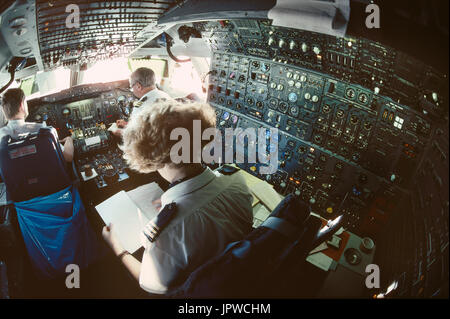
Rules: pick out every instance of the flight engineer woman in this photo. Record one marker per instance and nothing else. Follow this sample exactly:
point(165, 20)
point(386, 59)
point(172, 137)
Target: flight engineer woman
point(202, 211)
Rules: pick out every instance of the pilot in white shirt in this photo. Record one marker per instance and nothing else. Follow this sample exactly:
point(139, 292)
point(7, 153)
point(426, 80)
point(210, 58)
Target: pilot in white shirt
point(149, 98)
point(143, 84)
point(209, 210)
point(15, 109)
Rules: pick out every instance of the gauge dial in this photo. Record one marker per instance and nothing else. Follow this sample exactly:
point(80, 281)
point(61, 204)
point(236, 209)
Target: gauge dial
point(121, 99)
point(66, 111)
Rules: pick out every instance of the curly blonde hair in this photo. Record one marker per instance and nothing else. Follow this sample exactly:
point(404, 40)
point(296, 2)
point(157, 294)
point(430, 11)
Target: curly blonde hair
point(146, 139)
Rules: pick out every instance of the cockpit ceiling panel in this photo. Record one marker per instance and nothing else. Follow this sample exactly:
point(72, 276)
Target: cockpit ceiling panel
point(106, 29)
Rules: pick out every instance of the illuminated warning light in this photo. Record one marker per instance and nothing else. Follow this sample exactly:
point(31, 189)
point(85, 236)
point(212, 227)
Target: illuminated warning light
point(385, 114)
point(291, 179)
point(297, 182)
point(329, 210)
point(253, 168)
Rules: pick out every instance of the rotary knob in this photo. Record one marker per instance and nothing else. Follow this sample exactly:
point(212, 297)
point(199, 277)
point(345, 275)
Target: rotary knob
point(281, 43)
point(303, 78)
point(292, 97)
point(291, 83)
point(315, 98)
point(289, 75)
point(307, 96)
point(271, 41)
point(282, 184)
point(273, 85)
point(296, 76)
point(280, 87)
point(298, 85)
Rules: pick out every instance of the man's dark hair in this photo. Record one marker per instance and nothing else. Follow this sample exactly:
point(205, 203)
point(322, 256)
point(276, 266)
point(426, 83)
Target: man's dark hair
point(11, 102)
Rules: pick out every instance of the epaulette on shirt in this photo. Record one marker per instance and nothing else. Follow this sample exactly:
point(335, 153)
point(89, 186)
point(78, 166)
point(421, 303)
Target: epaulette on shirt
point(157, 224)
point(137, 104)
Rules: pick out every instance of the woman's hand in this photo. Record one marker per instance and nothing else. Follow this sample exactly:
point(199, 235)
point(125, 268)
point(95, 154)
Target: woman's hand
point(111, 238)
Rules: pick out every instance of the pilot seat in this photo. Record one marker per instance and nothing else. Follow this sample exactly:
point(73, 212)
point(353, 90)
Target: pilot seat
point(49, 209)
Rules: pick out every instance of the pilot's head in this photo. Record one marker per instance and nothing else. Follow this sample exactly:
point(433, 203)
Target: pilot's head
point(142, 80)
point(14, 105)
point(161, 138)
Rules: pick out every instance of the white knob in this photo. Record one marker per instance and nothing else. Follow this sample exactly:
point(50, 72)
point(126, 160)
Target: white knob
point(292, 44)
point(307, 96)
point(434, 96)
point(304, 47)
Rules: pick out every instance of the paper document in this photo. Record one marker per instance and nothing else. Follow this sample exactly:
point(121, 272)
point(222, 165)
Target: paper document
point(322, 261)
point(129, 212)
point(262, 191)
point(143, 197)
point(266, 194)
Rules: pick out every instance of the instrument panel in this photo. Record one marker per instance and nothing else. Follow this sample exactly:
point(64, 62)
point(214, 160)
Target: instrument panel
point(339, 143)
point(85, 113)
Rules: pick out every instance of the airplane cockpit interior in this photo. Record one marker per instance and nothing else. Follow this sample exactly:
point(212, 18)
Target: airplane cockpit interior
point(334, 114)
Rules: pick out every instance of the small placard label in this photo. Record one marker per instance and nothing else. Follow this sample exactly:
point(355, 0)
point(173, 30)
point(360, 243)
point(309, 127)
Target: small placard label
point(22, 151)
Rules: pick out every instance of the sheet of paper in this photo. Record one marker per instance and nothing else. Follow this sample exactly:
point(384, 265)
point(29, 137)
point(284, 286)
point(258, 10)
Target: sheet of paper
point(261, 212)
point(121, 211)
point(143, 197)
point(250, 180)
point(321, 247)
point(320, 260)
point(266, 194)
